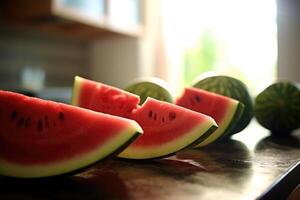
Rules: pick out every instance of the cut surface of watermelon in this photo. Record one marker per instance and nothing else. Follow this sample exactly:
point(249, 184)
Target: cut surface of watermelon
point(224, 110)
point(168, 128)
point(40, 138)
point(103, 98)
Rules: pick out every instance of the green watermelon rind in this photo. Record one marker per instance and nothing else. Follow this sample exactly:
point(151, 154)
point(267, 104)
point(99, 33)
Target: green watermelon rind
point(151, 87)
point(76, 90)
point(237, 115)
point(233, 114)
point(272, 113)
point(193, 138)
point(237, 90)
point(192, 145)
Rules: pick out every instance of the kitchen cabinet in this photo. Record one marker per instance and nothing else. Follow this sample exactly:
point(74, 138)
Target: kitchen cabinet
point(76, 18)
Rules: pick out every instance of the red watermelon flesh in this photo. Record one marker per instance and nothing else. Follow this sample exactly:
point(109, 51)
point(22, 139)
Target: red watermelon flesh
point(225, 111)
point(103, 98)
point(43, 138)
point(167, 129)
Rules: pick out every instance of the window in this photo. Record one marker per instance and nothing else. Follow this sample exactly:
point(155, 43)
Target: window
point(233, 37)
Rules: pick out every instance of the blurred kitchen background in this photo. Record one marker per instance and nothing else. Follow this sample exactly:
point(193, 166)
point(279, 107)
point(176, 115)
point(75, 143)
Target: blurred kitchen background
point(44, 44)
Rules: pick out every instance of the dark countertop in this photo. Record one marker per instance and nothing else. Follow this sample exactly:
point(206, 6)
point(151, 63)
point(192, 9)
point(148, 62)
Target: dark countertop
point(242, 168)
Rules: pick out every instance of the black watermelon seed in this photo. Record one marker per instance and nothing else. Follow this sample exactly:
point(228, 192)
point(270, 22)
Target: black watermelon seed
point(163, 120)
point(27, 122)
point(197, 98)
point(150, 114)
point(61, 116)
point(46, 122)
point(20, 122)
point(172, 115)
point(13, 115)
point(40, 126)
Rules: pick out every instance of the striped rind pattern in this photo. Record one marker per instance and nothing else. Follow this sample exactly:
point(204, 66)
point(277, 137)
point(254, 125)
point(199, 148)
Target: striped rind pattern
point(150, 89)
point(277, 108)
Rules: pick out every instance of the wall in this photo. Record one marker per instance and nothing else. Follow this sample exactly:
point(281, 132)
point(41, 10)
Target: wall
point(61, 58)
point(115, 61)
point(118, 61)
point(288, 39)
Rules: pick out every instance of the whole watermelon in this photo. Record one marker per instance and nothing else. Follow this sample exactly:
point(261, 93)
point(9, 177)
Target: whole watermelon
point(233, 88)
point(151, 87)
point(277, 108)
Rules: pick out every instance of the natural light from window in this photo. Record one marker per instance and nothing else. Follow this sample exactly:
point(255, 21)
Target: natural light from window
point(232, 37)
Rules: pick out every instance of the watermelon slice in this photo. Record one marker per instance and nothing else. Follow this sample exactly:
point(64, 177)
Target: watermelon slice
point(167, 128)
point(41, 138)
point(233, 88)
point(103, 98)
point(226, 111)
